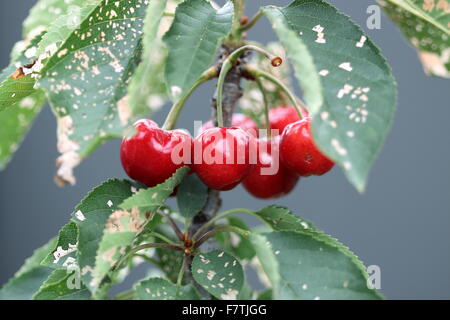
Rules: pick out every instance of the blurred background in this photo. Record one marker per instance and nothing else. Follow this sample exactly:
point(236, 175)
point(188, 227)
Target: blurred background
point(401, 223)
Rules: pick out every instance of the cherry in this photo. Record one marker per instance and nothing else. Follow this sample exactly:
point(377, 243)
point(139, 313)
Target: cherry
point(239, 120)
point(269, 178)
point(299, 153)
point(221, 157)
point(280, 117)
point(147, 155)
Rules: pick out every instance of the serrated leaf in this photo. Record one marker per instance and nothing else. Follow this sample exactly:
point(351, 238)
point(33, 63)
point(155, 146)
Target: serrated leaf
point(192, 41)
point(152, 198)
point(87, 78)
point(124, 226)
point(311, 266)
point(282, 219)
point(63, 25)
point(14, 89)
point(29, 277)
point(239, 246)
point(219, 273)
point(426, 25)
point(91, 216)
point(191, 196)
point(64, 253)
point(162, 289)
point(146, 90)
point(348, 86)
point(62, 285)
point(15, 122)
point(44, 13)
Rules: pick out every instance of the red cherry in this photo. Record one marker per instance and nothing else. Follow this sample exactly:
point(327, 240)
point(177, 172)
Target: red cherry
point(239, 120)
point(221, 157)
point(299, 153)
point(269, 178)
point(280, 117)
point(147, 155)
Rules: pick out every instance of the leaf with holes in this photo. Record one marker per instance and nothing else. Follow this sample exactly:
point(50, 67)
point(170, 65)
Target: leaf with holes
point(64, 25)
point(161, 289)
point(193, 40)
point(87, 78)
point(64, 253)
point(44, 13)
point(124, 226)
point(219, 273)
point(427, 26)
point(62, 285)
point(311, 266)
point(348, 86)
point(91, 216)
point(152, 198)
point(146, 90)
point(29, 278)
point(191, 196)
point(17, 80)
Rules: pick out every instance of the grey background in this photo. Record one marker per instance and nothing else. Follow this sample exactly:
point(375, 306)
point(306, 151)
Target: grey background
point(401, 223)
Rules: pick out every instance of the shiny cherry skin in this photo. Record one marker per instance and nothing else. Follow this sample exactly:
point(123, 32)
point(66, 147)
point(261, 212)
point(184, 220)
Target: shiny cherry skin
point(239, 120)
point(280, 117)
point(269, 178)
point(221, 157)
point(147, 155)
point(299, 153)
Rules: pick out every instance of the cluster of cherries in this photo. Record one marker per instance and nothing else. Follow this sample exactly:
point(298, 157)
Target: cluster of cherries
point(147, 155)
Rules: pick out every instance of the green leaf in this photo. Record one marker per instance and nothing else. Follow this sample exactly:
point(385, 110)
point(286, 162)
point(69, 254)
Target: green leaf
point(62, 285)
point(91, 216)
point(219, 273)
point(45, 12)
point(171, 261)
point(146, 90)
point(87, 78)
point(282, 219)
point(13, 90)
point(426, 25)
point(29, 277)
point(239, 246)
point(124, 226)
point(193, 40)
point(311, 265)
point(191, 196)
point(64, 253)
point(15, 122)
point(63, 25)
point(348, 86)
point(162, 289)
point(152, 198)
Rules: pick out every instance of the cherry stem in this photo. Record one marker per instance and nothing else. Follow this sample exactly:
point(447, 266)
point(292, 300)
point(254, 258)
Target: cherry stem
point(266, 106)
point(174, 226)
point(228, 65)
point(175, 111)
point(252, 22)
point(146, 246)
point(181, 273)
point(161, 237)
point(208, 235)
point(257, 73)
point(220, 216)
